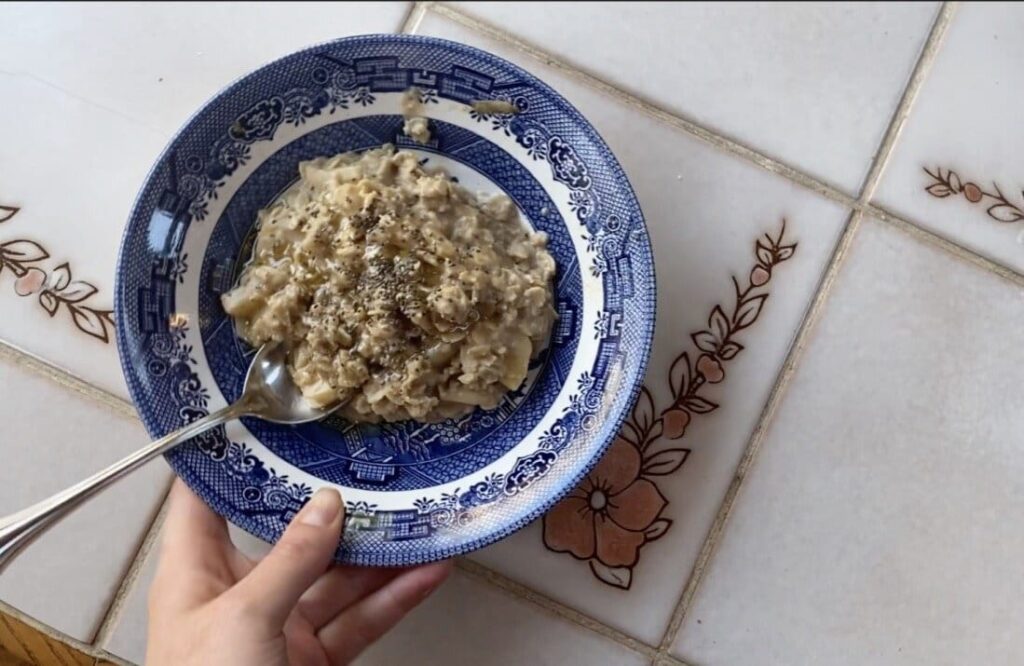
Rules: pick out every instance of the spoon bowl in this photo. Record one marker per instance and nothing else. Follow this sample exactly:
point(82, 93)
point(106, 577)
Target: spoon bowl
point(271, 394)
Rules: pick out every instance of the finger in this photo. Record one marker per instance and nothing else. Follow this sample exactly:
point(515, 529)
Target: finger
point(338, 589)
point(192, 566)
point(240, 563)
point(302, 647)
point(354, 629)
point(191, 528)
point(271, 590)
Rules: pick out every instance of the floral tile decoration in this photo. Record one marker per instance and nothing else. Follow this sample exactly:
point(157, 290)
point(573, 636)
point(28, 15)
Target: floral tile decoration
point(956, 167)
point(53, 288)
point(824, 463)
point(58, 276)
point(997, 206)
point(618, 508)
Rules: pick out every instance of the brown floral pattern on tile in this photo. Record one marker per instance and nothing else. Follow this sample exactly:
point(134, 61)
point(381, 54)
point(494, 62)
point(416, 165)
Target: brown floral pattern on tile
point(946, 182)
point(55, 289)
point(7, 212)
point(618, 508)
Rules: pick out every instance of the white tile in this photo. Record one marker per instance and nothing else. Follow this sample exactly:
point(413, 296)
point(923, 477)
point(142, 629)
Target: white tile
point(813, 84)
point(705, 210)
point(73, 169)
point(881, 521)
point(91, 94)
point(966, 120)
point(156, 63)
point(52, 438)
point(469, 623)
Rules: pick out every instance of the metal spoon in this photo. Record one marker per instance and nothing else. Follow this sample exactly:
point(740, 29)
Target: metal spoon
point(269, 394)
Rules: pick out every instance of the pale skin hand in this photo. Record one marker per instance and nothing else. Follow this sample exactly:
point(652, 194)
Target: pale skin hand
point(210, 604)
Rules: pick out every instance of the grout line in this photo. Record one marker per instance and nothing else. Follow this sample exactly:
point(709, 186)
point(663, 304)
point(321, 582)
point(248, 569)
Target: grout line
point(930, 237)
point(669, 660)
point(943, 243)
point(649, 107)
point(411, 22)
point(103, 657)
point(520, 591)
point(793, 356)
point(112, 616)
point(921, 69)
point(65, 378)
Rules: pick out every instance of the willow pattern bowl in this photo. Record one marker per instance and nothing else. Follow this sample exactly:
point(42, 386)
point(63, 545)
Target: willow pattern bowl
point(413, 492)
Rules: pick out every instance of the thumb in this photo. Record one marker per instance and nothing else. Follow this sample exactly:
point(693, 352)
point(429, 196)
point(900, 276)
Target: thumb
point(301, 556)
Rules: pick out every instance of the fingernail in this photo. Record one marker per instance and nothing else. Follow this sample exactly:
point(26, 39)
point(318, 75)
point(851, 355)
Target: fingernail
point(322, 508)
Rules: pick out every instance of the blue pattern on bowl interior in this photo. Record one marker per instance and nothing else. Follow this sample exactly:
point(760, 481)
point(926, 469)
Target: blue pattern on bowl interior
point(413, 492)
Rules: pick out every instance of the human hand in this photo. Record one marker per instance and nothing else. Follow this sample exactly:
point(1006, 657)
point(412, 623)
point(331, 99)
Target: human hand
point(210, 604)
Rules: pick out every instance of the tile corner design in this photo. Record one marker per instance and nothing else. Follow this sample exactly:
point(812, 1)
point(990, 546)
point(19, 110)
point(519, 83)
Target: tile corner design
point(618, 508)
point(946, 182)
point(55, 289)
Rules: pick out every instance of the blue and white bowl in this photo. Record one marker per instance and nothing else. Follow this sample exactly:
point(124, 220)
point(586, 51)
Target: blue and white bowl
point(414, 492)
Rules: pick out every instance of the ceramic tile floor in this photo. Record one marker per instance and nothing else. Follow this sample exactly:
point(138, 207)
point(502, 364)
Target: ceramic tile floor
point(853, 498)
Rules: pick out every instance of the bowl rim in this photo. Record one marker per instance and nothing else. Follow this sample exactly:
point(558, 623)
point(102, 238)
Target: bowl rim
point(641, 361)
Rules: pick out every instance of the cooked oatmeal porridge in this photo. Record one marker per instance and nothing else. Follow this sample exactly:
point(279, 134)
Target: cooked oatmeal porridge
point(396, 289)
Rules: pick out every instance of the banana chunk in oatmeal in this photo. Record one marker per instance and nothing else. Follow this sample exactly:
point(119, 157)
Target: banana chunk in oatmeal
point(396, 289)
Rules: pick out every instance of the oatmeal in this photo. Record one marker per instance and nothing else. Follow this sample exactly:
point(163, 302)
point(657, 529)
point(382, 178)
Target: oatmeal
point(417, 129)
point(396, 289)
point(494, 107)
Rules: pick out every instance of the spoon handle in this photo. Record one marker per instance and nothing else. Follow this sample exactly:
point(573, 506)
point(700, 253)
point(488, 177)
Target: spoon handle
point(19, 529)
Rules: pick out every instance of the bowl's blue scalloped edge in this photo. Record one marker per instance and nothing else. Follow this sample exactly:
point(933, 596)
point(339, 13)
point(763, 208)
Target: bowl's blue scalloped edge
point(619, 413)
